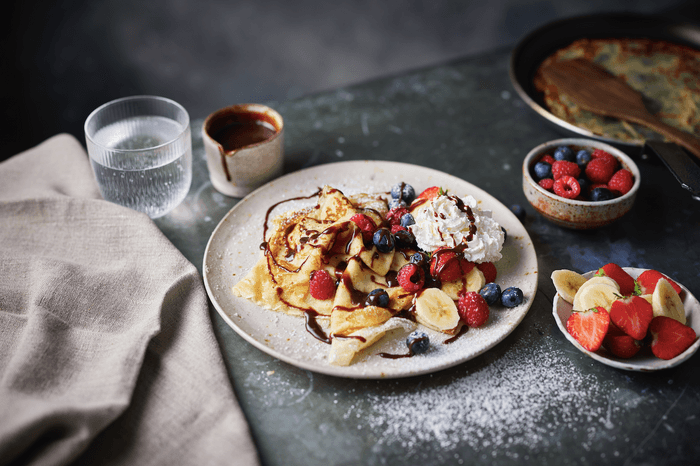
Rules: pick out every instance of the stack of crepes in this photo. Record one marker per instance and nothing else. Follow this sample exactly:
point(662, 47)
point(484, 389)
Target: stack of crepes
point(324, 237)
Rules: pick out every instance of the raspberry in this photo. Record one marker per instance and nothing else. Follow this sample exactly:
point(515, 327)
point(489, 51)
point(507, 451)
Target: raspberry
point(395, 214)
point(546, 183)
point(411, 278)
point(321, 285)
point(568, 187)
point(621, 181)
point(548, 159)
point(449, 266)
point(489, 271)
point(605, 156)
point(395, 228)
point(473, 309)
point(599, 171)
point(366, 225)
point(562, 168)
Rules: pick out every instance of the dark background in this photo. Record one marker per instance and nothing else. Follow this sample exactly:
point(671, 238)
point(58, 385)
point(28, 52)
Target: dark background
point(63, 59)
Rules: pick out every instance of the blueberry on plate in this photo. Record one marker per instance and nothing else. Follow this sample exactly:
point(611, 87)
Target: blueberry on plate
point(396, 191)
point(542, 170)
point(512, 296)
point(491, 293)
point(407, 219)
point(404, 239)
point(383, 240)
point(564, 153)
point(377, 297)
point(394, 203)
point(419, 258)
point(601, 194)
point(418, 342)
point(408, 194)
point(518, 210)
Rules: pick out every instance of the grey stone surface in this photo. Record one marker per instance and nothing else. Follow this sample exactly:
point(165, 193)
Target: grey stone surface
point(532, 399)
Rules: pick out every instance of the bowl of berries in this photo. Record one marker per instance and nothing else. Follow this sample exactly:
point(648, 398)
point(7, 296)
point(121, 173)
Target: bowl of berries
point(580, 183)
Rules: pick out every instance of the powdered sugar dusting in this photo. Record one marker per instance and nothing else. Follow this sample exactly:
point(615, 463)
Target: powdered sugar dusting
point(518, 399)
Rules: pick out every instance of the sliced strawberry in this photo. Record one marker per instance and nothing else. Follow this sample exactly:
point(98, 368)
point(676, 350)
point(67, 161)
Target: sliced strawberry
point(449, 266)
point(431, 193)
point(589, 327)
point(489, 271)
point(669, 337)
point(648, 279)
point(632, 315)
point(617, 273)
point(621, 345)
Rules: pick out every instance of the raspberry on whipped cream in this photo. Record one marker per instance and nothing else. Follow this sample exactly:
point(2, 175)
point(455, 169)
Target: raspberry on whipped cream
point(448, 221)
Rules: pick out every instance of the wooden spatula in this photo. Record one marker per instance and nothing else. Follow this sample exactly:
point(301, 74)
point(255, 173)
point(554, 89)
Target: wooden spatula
point(600, 92)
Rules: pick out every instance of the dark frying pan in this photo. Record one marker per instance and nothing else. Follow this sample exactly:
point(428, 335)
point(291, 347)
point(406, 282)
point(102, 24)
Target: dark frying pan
point(534, 48)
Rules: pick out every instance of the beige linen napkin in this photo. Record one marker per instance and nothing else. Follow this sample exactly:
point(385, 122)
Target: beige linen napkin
point(107, 354)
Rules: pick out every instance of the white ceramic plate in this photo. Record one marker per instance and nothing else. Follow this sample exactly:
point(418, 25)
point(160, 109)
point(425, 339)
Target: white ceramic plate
point(234, 248)
point(644, 360)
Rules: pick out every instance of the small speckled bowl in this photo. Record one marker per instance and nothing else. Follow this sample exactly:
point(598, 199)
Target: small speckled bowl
point(569, 213)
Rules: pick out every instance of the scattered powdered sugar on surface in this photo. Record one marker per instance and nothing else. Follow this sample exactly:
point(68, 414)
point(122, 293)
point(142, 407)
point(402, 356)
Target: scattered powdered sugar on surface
point(519, 399)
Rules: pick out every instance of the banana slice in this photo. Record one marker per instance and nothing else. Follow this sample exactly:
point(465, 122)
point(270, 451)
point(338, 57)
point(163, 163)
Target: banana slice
point(436, 310)
point(567, 283)
point(666, 302)
point(595, 295)
point(473, 281)
point(604, 280)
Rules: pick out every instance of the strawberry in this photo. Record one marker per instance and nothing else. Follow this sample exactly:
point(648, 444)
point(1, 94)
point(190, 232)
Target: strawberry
point(489, 271)
point(617, 273)
point(606, 157)
point(621, 345)
point(632, 315)
point(321, 285)
point(366, 225)
point(622, 181)
point(669, 337)
point(589, 327)
point(411, 278)
point(431, 193)
point(648, 279)
point(547, 183)
point(448, 266)
point(567, 187)
point(473, 309)
point(599, 171)
point(564, 168)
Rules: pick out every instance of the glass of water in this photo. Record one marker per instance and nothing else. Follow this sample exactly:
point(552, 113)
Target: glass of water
point(141, 152)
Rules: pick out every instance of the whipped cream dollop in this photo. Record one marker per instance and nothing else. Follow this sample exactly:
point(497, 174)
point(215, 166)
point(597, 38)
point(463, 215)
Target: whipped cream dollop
point(448, 221)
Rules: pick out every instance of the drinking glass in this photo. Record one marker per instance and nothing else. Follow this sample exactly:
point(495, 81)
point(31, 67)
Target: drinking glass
point(140, 149)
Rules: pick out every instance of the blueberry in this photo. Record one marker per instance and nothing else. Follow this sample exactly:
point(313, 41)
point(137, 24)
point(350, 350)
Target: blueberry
point(564, 153)
point(383, 240)
point(542, 170)
point(418, 342)
point(404, 239)
point(406, 220)
point(394, 203)
point(601, 194)
point(377, 297)
point(421, 259)
point(511, 297)
point(396, 191)
point(518, 210)
point(491, 293)
point(584, 184)
point(408, 194)
point(583, 157)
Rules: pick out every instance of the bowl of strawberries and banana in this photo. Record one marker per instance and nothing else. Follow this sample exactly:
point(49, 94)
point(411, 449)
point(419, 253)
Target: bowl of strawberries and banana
point(580, 183)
